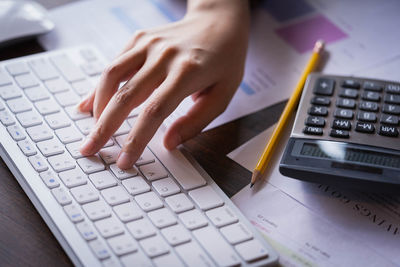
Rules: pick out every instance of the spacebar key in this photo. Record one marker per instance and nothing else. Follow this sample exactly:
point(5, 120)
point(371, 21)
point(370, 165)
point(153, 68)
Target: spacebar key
point(216, 246)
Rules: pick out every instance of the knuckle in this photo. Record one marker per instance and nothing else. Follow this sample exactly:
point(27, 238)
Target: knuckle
point(122, 96)
point(111, 70)
point(138, 34)
point(193, 60)
point(167, 50)
point(154, 109)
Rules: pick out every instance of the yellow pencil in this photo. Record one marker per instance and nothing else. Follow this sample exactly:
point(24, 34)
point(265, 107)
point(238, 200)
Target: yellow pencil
point(290, 107)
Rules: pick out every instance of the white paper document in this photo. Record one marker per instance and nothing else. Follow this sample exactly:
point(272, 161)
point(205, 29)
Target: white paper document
point(281, 39)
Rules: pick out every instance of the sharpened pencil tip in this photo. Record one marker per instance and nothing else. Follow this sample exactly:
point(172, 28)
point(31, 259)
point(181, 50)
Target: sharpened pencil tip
point(251, 185)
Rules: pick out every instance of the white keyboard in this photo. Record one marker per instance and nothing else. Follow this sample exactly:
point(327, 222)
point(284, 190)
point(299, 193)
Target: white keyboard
point(165, 211)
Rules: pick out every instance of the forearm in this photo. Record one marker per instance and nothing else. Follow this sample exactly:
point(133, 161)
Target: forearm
point(237, 10)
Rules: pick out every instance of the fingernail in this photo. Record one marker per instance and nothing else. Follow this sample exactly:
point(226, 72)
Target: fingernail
point(125, 160)
point(175, 141)
point(88, 146)
point(82, 105)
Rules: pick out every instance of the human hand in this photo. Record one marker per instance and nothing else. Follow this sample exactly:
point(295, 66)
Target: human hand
point(201, 55)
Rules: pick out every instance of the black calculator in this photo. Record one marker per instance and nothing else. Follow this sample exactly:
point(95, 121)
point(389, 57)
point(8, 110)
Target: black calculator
point(346, 134)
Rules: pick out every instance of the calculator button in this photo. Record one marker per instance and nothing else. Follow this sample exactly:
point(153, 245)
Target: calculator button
point(321, 101)
point(388, 131)
point(389, 119)
point(339, 133)
point(393, 88)
point(392, 99)
point(350, 93)
point(317, 110)
point(373, 86)
point(313, 130)
point(372, 96)
point(351, 84)
point(366, 116)
point(391, 109)
point(369, 106)
point(341, 124)
point(344, 113)
point(346, 103)
point(324, 86)
point(365, 127)
point(315, 121)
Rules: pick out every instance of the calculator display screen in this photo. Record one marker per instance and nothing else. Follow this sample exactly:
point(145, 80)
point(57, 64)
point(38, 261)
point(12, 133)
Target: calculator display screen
point(350, 155)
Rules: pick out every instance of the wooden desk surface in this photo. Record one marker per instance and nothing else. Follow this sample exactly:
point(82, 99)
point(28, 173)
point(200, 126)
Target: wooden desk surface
point(25, 240)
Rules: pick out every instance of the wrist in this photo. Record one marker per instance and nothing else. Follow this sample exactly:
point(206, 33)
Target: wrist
point(236, 9)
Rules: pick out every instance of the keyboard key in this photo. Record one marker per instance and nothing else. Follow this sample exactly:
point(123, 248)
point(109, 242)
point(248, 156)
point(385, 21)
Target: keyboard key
point(318, 111)
point(392, 99)
point(6, 118)
point(122, 244)
point(193, 255)
point(206, 198)
point(74, 213)
point(236, 233)
point(391, 109)
point(39, 133)
point(166, 187)
point(73, 178)
point(73, 149)
point(68, 135)
point(16, 132)
point(46, 107)
point(37, 93)
point(365, 127)
point(97, 210)
point(176, 235)
point(351, 84)
point(346, 103)
point(86, 230)
point(67, 68)
point(153, 171)
point(128, 212)
point(388, 131)
point(149, 201)
point(321, 101)
point(179, 203)
point(82, 88)
point(392, 89)
point(154, 246)
point(123, 129)
point(341, 124)
point(349, 93)
point(50, 147)
point(115, 195)
point(75, 114)
point(17, 68)
point(103, 179)
point(366, 116)
point(251, 250)
point(91, 164)
point(313, 130)
point(26, 80)
point(344, 113)
point(57, 120)
point(84, 194)
point(222, 216)
point(145, 158)
point(216, 246)
point(18, 105)
point(93, 68)
point(369, 106)
point(315, 121)
point(38, 163)
point(29, 118)
point(371, 96)
point(61, 162)
point(372, 86)
point(67, 98)
point(193, 219)
point(110, 154)
point(43, 69)
point(99, 249)
point(162, 218)
point(136, 185)
point(57, 85)
point(61, 195)
point(339, 133)
point(86, 125)
point(50, 179)
point(141, 228)
point(324, 86)
point(4, 78)
point(123, 174)
point(27, 147)
point(167, 260)
point(389, 119)
point(136, 259)
point(9, 92)
point(109, 227)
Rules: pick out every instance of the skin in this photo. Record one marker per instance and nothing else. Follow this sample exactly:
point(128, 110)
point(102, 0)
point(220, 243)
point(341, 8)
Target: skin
point(202, 55)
